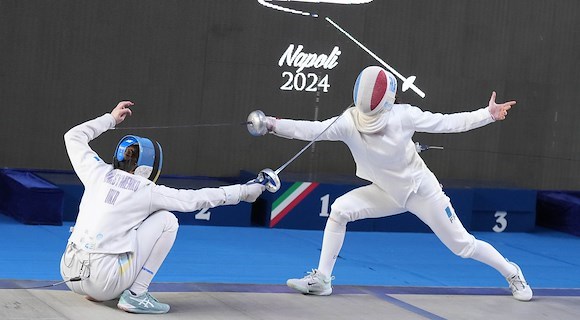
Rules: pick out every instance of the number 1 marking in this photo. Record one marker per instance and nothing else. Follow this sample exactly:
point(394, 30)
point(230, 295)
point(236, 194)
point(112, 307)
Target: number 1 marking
point(324, 208)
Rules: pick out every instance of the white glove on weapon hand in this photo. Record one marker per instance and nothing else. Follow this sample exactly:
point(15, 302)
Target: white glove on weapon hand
point(242, 192)
point(271, 123)
point(251, 191)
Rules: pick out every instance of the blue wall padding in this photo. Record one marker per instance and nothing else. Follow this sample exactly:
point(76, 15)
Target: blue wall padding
point(559, 210)
point(29, 198)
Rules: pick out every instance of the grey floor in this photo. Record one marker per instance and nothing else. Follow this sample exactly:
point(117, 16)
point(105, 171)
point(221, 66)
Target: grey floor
point(353, 304)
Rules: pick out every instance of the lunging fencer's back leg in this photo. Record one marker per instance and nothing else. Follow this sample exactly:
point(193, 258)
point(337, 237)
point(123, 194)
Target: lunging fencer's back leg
point(442, 219)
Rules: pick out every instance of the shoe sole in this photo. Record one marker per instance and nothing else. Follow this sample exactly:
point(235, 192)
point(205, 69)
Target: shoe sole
point(304, 290)
point(523, 299)
point(130, 309)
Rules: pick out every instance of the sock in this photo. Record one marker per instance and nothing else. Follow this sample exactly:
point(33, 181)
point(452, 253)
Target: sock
point(331, 244)
point(486, 253)
point(163, 227)
point(156, 258)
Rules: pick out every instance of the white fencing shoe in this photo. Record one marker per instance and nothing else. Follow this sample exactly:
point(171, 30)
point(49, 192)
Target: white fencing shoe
point(520, 288)
point(313, 283)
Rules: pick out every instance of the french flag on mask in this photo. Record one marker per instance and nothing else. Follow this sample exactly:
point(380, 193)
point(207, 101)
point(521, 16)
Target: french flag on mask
point(374, 88)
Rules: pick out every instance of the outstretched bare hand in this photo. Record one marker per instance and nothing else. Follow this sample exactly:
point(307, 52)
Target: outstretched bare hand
point(121, 111)
point(499, 111)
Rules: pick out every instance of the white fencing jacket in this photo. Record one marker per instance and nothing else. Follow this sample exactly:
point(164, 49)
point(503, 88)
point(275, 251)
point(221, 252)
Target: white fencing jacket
point(388, 157)
point(115, 202)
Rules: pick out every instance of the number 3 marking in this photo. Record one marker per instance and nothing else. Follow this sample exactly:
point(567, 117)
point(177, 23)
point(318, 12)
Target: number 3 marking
point(501, 221)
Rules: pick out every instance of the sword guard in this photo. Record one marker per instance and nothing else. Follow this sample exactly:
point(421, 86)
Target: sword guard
point(269, 178)
point(256, 123)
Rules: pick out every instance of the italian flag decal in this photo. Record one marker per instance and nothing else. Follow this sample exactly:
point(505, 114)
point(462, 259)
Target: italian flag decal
point(289, 199)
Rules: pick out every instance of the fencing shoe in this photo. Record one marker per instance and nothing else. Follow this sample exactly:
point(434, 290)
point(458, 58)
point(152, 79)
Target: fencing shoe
point(313, 283)
point(144, 303)
point(520, 288)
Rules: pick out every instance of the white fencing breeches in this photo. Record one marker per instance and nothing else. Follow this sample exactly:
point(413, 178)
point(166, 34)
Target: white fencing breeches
point(106, 276)
point(429, 203)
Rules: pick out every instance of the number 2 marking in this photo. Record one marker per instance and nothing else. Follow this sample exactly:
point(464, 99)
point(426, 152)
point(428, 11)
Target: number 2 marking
point(203, 214)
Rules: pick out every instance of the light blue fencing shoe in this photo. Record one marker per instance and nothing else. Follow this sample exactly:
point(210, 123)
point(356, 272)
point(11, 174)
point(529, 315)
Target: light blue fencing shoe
point(144, 303)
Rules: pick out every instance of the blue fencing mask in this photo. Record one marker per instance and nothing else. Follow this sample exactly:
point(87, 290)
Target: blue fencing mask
point(142, 156)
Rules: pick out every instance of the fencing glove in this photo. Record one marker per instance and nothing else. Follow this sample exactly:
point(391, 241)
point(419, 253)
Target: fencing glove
point(271, 123)
point(251, 191)
point(242, 192)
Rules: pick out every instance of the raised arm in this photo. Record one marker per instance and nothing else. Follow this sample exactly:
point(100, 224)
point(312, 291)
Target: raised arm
point(83, 159)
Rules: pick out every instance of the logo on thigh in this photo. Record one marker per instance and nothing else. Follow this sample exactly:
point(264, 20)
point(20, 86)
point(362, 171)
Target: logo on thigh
point(450, 214)
point(124, 261)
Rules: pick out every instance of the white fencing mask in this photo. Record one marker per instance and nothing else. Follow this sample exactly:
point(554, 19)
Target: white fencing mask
point(373, 94)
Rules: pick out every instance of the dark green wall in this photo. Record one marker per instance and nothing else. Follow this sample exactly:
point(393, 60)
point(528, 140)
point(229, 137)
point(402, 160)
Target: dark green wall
point(207, 62)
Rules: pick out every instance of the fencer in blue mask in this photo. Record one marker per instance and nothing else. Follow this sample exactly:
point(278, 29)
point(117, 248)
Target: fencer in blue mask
point(125, 227)
point(140, 156)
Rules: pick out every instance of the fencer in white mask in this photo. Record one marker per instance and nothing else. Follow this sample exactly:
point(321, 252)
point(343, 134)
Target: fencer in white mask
point(378, 133)
point(125, 226)
point(373, 94)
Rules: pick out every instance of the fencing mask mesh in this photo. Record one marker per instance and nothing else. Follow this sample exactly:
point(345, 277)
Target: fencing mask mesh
point(148, 162)
point(373, 94)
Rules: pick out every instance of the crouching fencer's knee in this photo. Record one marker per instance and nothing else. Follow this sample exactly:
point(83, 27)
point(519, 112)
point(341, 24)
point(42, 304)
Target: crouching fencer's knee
point(467, 248)
point(168, 220)
point(173, 223)
point(337, 221)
